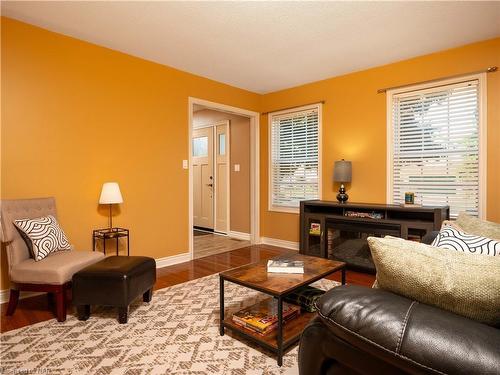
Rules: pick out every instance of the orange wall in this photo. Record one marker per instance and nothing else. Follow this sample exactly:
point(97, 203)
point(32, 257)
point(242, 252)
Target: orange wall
point(75, 115)
point(354, 126)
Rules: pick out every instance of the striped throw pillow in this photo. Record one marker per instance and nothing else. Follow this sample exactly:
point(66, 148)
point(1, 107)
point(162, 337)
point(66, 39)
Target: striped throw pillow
point(450, 237)
point(45, 234)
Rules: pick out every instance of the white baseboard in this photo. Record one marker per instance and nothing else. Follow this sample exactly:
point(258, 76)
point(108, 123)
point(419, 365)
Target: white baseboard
point(4, 295)
point(160, 262)
point(171, 260)
point(239, 235)
point(280, 243)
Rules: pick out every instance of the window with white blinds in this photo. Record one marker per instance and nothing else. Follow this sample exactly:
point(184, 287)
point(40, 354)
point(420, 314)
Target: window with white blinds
point(436, 149)
point(294, 157)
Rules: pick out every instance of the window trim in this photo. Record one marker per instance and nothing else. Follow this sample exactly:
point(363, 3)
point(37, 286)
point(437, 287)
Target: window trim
point(483, 124)
point(285, 209)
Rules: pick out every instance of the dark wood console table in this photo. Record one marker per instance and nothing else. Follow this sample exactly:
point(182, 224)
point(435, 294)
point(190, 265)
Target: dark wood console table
point(339, 230)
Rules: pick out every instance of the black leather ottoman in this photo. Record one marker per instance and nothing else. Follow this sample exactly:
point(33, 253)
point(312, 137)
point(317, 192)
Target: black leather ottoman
point(114, 281)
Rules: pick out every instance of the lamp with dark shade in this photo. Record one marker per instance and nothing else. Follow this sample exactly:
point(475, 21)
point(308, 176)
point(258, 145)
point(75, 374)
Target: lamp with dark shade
point(342, 172)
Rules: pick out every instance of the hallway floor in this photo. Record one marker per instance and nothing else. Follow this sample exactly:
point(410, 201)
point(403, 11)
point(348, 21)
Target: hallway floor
point(206, 244)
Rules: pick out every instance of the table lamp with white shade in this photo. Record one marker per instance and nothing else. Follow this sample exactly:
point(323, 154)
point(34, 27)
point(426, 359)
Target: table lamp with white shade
point(110, 194)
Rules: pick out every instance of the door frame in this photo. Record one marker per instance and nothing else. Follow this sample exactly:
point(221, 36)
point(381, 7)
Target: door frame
point(254, 165)
point(227, 123)
point(215, 140)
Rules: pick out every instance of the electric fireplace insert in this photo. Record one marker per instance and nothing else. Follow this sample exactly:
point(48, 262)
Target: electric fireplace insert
point(347, 241)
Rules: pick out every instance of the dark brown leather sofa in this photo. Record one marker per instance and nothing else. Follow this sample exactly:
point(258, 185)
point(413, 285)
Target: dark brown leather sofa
point(361, 330)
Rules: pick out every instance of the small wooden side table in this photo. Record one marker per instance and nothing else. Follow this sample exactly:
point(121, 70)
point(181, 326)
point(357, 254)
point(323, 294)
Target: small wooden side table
point(110, 233)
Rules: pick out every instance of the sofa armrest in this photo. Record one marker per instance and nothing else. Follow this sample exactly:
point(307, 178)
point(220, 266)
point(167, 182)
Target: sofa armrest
point(429, 237)
point(323, 353)
point(412, 336)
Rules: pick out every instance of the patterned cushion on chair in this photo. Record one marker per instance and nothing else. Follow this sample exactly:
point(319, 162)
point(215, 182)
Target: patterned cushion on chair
point(45, 234)
point(57, 269)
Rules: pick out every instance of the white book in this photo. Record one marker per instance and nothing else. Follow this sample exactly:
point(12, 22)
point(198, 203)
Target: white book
point(285, 266)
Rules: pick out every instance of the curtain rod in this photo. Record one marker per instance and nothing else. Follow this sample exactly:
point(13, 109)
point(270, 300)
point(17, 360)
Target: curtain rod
point(491, 69)
point(297, 106)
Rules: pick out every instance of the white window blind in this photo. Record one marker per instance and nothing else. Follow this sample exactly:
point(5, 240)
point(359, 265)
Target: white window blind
point(294, 164)
point(436, 146)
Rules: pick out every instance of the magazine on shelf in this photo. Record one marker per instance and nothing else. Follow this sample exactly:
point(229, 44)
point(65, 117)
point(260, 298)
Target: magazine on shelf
point(269, 329)
point(285, 265)
point(262, 318)
point(315, 229)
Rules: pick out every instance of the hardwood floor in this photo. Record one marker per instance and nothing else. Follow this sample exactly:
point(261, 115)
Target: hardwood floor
point(211, 244)
point(35, 309)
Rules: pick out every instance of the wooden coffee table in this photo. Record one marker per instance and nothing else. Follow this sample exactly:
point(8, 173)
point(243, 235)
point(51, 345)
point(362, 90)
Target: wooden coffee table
point(278, 285)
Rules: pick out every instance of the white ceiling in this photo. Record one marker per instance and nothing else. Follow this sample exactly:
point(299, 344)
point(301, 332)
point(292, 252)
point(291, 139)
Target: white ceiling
point(267, 46)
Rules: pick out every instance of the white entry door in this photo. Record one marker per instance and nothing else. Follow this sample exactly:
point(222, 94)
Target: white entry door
point(222, 177)
point(203, 178)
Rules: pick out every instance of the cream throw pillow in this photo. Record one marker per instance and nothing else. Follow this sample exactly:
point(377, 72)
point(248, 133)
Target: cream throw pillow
point(467, 285)
point(483, 228)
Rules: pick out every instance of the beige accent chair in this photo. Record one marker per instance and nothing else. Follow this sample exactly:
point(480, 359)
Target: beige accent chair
point(52, 274)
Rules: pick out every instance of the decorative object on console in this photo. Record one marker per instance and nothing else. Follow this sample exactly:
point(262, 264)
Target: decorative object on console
point(464, 284)
point(409, 198)
point(43, 236)
point(449, 237)
point(110, 194)
point(342, 172)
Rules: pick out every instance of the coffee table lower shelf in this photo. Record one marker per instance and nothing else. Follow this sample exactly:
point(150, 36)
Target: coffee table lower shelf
point(291, 332)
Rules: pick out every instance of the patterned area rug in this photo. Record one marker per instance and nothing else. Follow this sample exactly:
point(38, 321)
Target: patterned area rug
point(177, 333)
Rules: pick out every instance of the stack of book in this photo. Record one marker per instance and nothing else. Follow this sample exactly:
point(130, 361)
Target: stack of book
point(365, 215)
point(285, 265)
point(262, 318)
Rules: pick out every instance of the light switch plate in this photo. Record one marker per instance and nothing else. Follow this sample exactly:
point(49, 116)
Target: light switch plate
point(236, 167)
point(184, 164)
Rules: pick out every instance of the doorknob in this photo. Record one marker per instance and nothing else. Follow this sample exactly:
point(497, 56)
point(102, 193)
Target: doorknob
point(210, 185)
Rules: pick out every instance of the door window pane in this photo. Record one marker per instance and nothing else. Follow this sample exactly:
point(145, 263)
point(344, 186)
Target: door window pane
point(200, 146)
point(222, 144)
